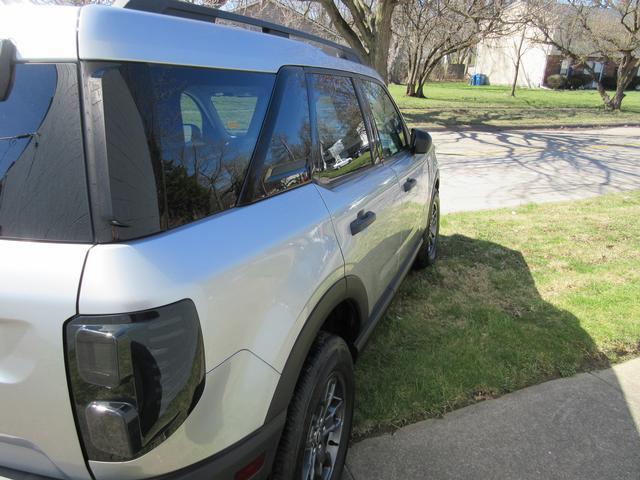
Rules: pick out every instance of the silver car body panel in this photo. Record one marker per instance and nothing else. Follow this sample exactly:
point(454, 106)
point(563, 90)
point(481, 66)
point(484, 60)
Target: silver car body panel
point(370, 255)
point(38, 291)
point(42, 33)
point(414, 202)
point(254, 273)
point(117, 34)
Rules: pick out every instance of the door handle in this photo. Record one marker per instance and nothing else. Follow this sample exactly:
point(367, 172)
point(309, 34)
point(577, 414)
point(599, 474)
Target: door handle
point(409, 184)
point(362, 221)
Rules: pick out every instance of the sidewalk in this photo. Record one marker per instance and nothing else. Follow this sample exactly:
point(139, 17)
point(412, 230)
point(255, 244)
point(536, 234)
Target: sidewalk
point(583, 427)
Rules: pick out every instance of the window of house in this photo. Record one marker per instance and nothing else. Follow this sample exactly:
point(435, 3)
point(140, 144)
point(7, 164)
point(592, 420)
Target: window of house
point(564, 67)
point(342, 133)
point(388, 121)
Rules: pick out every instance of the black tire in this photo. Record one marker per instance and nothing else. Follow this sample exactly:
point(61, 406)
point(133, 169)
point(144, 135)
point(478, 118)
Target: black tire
point(329, 359)
point(429, 249)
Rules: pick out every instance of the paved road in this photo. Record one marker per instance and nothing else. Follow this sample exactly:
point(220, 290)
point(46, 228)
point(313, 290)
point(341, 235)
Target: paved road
point(483, 170)
point(584, 427)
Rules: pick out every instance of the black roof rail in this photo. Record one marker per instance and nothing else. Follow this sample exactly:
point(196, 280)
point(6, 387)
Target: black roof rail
point(208, 14)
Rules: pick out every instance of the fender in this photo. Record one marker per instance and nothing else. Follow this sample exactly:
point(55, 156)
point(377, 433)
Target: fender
point(347, 288)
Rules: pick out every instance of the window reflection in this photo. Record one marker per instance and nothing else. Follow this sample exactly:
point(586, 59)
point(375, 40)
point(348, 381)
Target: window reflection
point(342, 134)
point(286, 160)
point(387, 119)
point(43, 193)
point(200, 127)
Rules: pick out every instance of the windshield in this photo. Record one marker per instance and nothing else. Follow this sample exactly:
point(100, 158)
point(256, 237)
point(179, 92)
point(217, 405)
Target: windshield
point(43, 193)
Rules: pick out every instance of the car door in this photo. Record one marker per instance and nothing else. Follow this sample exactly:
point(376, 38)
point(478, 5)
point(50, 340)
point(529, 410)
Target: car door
point(412, 170)
point(361, 195)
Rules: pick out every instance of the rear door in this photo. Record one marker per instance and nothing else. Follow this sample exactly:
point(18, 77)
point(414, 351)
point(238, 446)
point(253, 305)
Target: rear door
point(360, 194)
point(412, 170)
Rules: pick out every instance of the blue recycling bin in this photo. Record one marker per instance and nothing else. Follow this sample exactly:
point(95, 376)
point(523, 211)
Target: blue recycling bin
point(478, 79)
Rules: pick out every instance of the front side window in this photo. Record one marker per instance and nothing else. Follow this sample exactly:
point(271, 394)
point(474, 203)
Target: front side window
point(179, 140)
point(388, 121)
point(43, 188)
point(342, 133)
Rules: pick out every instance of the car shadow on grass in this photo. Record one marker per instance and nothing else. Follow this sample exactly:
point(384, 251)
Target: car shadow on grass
point(471, 328)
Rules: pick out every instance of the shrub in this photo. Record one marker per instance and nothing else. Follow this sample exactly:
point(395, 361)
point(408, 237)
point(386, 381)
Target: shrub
point(556, 81)
point(578, 80)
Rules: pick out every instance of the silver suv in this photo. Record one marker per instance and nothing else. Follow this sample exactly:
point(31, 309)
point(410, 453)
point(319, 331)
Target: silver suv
point(200, 226)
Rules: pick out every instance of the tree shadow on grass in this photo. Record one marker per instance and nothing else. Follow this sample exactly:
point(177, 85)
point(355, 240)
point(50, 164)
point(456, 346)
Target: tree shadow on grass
point(472, 328)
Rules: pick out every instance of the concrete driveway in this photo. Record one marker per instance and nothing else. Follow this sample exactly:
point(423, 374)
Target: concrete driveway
point(579, 428)
point(485, 170)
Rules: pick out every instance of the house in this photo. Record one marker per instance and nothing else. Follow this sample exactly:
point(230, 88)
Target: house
point(497, 57)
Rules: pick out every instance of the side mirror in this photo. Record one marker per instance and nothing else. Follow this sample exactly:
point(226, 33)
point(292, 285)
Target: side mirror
point(421, 141)
point(7, 59)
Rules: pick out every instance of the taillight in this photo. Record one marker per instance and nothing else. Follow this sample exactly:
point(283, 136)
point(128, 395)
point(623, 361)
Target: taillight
point(134, 377)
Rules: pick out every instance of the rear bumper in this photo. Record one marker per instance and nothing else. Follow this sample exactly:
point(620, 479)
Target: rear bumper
point(224, 465)
point(221, 466)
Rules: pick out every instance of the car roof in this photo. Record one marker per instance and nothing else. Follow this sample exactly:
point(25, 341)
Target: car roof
point(101, 33)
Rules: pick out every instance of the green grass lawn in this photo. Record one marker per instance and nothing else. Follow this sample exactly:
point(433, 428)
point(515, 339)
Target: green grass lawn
point(517, 297)
point(457, 104)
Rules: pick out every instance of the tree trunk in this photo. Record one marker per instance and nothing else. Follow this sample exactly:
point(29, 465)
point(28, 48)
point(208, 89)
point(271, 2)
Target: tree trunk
point(626, 69)
point(518, 61)
point(515, 78)
point(379, 48)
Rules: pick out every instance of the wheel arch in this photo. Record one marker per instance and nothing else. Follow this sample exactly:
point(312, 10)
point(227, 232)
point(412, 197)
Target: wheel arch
point(343, 311)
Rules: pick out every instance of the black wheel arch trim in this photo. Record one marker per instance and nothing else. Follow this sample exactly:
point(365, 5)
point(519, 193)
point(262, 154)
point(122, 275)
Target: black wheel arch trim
point(349, 288)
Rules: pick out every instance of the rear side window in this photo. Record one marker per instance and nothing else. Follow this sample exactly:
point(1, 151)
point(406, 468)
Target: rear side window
point(388, 121)
point(282, 157)
point(342, 134)
point(191, 131)
point(43, 188)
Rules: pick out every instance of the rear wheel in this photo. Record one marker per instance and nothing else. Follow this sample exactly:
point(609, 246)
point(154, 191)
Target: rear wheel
point(316, 436)
point(429, 249)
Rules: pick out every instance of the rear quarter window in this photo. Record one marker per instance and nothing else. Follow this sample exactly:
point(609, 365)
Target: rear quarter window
point(190, 134)
point(43, 189)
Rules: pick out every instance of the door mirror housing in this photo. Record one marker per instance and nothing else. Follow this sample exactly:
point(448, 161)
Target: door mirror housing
point(421, 141)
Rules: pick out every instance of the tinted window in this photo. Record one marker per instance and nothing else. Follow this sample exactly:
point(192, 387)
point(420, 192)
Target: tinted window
point(342, 134)
point(43, 190)
point(198, 129)
point(235, 111)
point(283, 155)
point(388, 121)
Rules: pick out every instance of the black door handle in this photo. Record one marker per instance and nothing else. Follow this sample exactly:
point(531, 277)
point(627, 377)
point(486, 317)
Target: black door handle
point(362, 222)
point(409, 184)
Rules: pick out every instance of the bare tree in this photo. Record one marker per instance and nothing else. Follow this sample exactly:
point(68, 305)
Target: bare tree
point(366, 27)
point(519, 51)
point(436, 29)
point(209, 3)
point(600, 30)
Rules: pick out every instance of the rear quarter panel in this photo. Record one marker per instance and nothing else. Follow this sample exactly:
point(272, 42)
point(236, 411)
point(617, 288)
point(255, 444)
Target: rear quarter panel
point(38, 291)
point(255, 273)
